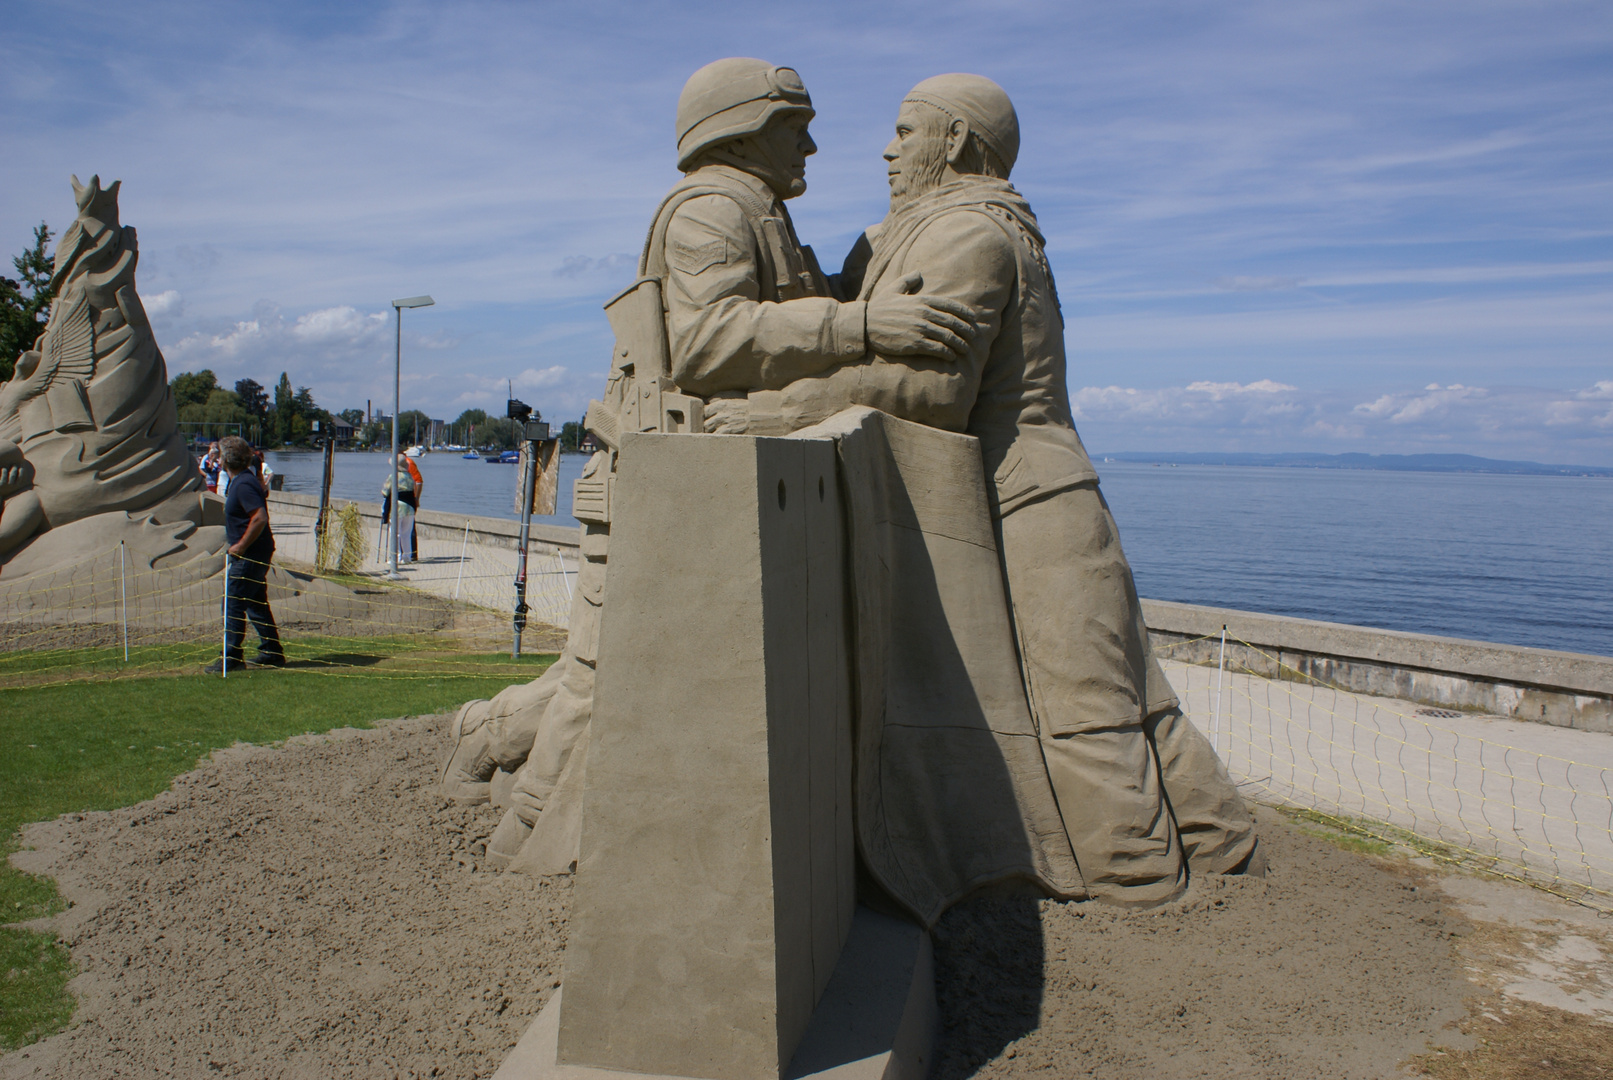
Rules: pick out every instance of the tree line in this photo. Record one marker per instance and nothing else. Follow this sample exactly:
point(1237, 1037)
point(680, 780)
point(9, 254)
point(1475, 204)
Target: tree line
point(288, 419)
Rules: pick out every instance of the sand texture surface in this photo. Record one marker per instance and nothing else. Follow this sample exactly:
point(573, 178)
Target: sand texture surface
point(316, 910)
point(313, 910)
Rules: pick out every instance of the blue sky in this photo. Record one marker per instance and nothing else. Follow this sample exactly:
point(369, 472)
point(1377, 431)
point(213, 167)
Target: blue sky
point(1379, 227)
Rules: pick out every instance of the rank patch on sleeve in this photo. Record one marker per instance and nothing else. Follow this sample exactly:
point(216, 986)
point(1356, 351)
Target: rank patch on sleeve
point(693, 258)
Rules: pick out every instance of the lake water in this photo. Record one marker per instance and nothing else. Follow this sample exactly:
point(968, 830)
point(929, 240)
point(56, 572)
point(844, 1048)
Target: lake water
point(1523, 560)
point(452, 484)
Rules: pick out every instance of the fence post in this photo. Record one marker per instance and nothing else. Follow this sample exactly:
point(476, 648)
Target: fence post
point(1220, 676)
point(123, 584)
point(462, 545)
point(561, 559)
point(224, 651)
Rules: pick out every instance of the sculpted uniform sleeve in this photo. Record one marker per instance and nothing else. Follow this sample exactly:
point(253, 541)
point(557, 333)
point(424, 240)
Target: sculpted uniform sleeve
point(964, 256)
point(723, 335)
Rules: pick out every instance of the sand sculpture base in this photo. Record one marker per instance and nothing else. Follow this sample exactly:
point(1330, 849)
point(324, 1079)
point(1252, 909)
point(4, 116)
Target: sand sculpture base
point(714, 931)
point(875, 1021)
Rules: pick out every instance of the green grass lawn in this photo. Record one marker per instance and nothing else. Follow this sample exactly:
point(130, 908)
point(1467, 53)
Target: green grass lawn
point(111, 742)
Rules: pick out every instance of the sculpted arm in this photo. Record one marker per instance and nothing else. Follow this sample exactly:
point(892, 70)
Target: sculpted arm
point(722, 336)
point(963, 256)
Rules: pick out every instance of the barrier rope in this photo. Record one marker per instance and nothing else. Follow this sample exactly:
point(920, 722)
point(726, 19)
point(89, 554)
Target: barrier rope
point(1461, 791)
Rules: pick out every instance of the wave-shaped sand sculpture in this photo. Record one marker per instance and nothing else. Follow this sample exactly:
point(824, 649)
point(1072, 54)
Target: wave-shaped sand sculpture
point(90, 450)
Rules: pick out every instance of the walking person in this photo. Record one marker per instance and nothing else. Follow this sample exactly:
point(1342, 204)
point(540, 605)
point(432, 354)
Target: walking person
point(251, 547)
point(408, 498)
point(211, 466)
point(414, 507)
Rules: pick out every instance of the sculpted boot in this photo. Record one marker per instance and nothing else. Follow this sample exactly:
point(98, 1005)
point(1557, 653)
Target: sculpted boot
point(505, 843)
point(468, 772)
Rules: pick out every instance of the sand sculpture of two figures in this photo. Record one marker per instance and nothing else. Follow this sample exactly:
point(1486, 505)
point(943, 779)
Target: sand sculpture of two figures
point(90, 452)
point(1010, 720)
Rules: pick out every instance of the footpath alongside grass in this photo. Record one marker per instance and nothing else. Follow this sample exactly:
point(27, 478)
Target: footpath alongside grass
point(100, 745)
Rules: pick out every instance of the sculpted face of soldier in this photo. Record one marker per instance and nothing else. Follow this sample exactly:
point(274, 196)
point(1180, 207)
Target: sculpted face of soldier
point(777, 154)
point(916, 159)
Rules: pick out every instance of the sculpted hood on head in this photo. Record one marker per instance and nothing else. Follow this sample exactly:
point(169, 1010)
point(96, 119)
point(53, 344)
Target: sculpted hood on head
point(979, 101)
point(731, 98)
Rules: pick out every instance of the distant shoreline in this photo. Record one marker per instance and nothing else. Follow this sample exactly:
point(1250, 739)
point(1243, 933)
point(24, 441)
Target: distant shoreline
point(1434, 463)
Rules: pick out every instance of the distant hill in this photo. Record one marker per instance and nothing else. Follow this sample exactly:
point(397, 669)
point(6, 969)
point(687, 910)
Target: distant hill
point(1447, 463)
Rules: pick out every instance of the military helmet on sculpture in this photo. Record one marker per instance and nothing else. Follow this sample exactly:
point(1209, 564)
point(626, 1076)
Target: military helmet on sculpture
point(731, 98)
point(981, 102)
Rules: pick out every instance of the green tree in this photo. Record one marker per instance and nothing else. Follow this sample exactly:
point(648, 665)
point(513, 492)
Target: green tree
point(193, 388)
point(411, 422)
point(285, 407)
point(500, 432)
point(571, 433)
point(469, 426)
point(25, 302)
point(353, 416)
point(221, 407)
point(254, 399)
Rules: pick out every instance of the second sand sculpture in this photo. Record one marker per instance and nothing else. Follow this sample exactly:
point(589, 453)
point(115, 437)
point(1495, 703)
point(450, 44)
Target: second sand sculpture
point(975, 690)
point(90, 451)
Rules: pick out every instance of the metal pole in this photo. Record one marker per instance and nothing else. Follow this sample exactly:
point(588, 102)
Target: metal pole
point(527, 478)
point(123, 580)
point(320, 523)
point(397, 375)
point(462, 545)
point(1220, 675)
point(224, 655)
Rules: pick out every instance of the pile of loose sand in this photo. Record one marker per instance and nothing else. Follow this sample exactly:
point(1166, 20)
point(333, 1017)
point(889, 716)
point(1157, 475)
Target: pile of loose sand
point(317, 910)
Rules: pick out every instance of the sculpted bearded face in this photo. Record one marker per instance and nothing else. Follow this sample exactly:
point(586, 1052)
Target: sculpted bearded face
point(916, 158)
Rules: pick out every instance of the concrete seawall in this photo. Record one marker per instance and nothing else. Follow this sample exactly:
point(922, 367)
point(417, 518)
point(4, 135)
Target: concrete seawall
point(438, 525)
point(1571, 690)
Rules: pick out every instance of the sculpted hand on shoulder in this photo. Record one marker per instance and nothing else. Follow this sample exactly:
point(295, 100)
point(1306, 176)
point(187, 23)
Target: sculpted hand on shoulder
point(933, 326)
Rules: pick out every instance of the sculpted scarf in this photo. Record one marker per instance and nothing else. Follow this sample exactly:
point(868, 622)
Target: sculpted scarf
point(902, 225)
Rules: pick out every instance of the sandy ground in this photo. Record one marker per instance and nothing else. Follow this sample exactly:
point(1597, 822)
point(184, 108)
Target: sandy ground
point(317, 910)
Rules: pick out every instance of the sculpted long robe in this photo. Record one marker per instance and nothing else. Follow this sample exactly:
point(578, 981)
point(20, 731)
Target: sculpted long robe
point(1100, 703)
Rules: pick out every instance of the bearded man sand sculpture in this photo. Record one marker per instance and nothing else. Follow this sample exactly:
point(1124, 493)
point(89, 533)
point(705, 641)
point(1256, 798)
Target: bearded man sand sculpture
point(1110, 725)
point(1141, 797)
point(89, 446)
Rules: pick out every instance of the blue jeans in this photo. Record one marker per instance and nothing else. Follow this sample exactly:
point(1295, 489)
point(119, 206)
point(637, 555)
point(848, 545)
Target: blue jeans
point(246, 596)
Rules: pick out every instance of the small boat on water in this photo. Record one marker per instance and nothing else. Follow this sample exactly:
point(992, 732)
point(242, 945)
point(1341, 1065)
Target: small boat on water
point(471, 455)
point(414, 451)
point(508, 457)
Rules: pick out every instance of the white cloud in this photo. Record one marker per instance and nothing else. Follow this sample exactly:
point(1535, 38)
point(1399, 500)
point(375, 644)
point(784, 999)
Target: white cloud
point(1555, 426)
point(533, 379)
point(338, 324)
point(164, 305)
point(1434, 400)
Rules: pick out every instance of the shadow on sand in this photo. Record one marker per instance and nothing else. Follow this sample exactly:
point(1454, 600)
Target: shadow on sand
point(989, 960)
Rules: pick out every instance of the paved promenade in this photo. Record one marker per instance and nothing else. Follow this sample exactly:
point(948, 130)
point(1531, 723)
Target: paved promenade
point(1526, 799)
point(476, 572)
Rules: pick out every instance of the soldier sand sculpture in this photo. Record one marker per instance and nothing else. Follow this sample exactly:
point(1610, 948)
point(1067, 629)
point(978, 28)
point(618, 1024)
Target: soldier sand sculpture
point(946, 315)
point(747, 308)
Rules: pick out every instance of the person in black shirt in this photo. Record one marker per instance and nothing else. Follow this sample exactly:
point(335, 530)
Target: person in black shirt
point(246, 590)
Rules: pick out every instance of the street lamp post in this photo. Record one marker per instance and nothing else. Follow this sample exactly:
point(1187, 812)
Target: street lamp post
point(397, 374)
